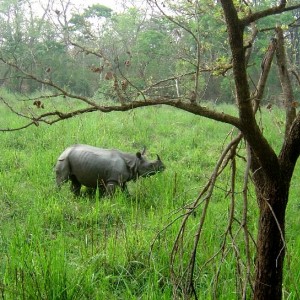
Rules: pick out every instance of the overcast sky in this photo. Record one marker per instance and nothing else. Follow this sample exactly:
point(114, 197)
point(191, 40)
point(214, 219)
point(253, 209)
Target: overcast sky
point(109, 3)
point(116, 5)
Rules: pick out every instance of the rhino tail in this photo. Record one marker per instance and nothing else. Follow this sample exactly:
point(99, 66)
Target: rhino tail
point(62, 168)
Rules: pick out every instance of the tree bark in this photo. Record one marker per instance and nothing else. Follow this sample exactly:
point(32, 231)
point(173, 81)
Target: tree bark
point(272, 198)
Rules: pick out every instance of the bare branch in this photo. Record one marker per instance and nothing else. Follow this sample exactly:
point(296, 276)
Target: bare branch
point(285, 81)
point(265, 69)
point(295, 73)
point(198, 46)
point(204, 197)
point(97, 52)
point(245, 224)
point(192, 108)
point(48, 83)
point(279, 229)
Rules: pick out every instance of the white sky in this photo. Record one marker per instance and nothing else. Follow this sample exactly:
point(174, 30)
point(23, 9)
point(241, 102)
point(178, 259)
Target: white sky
point(109, 3)
point(116, 5)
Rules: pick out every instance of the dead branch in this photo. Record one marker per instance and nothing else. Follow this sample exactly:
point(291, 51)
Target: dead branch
point(47, 82)
point(194, 109)
point(204, 197)
point(279, 228)
point(167, 80)
point(97, 52)
point(129, 82)
point(265, 69)
point(296, 74)
point(228, 231)
point(196, 40)
point(285, 81)
point(244, 224)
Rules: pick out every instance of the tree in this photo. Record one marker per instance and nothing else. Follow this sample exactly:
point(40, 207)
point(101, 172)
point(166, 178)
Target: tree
point(271, 172)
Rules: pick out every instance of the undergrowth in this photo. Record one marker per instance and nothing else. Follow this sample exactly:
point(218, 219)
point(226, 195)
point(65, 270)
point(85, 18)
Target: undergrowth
point(56, 246)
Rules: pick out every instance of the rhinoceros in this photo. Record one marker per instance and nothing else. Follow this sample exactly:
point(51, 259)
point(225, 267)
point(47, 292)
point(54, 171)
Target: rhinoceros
point(102, 168)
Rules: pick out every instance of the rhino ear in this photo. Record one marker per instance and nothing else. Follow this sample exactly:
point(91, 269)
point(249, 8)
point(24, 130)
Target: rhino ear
point(139, 155)
point(144, 150)
point(158, 158)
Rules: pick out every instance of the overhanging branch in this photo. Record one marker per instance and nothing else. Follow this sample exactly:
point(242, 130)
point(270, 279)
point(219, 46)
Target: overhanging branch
point(186, 106)
point(268, 12)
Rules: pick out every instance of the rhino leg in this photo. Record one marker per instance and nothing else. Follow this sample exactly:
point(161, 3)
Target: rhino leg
point(75, 185)
point(90, 192)
point(110, 188)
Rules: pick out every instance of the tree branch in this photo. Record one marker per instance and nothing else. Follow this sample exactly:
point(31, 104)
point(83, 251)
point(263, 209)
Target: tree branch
point(48, 82)
point(265, 69)
point(204, 197)
point(268, 12)
point(285, 81)
point(262, 149)
point(186, 106)
point(290, 151)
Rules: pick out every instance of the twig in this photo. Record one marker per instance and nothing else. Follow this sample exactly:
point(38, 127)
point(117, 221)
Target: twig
point(207, 191)
point(244, 223)
point(279, 228)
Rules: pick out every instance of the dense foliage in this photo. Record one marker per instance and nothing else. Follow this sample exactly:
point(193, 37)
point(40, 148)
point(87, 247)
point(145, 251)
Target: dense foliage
point(140, 44)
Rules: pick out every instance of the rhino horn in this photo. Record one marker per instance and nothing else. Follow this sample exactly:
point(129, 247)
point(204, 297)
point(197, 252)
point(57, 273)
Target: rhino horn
point(158, 158)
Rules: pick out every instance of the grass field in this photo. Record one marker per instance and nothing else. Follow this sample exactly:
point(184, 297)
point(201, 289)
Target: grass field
point(55, 246)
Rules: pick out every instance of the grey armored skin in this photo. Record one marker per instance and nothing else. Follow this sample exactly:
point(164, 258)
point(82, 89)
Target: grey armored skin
point(102, 168)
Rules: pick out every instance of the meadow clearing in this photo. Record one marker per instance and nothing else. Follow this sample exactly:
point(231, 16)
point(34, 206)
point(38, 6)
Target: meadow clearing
point(56, 246)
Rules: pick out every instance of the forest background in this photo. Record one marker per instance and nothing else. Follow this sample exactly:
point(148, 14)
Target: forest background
point(140, 43)
point(63, 62)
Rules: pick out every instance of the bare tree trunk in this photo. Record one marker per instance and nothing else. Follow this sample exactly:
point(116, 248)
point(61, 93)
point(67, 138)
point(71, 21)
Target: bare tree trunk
point(272, 194)
point(272, 186)
point(272, 197)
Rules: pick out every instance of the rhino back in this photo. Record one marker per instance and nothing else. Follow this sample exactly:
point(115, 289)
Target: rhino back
point(93, 166)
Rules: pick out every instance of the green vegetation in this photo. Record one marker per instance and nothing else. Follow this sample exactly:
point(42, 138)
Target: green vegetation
point(54, 246)
point(145, 53)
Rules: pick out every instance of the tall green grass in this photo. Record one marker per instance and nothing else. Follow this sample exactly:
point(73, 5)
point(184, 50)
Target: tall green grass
point(55, 246)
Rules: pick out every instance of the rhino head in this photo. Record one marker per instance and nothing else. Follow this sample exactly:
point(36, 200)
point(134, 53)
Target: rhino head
point(147, 168)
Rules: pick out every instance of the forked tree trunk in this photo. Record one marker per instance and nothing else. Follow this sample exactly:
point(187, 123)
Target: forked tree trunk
point(271, 173)
point(272, 199)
